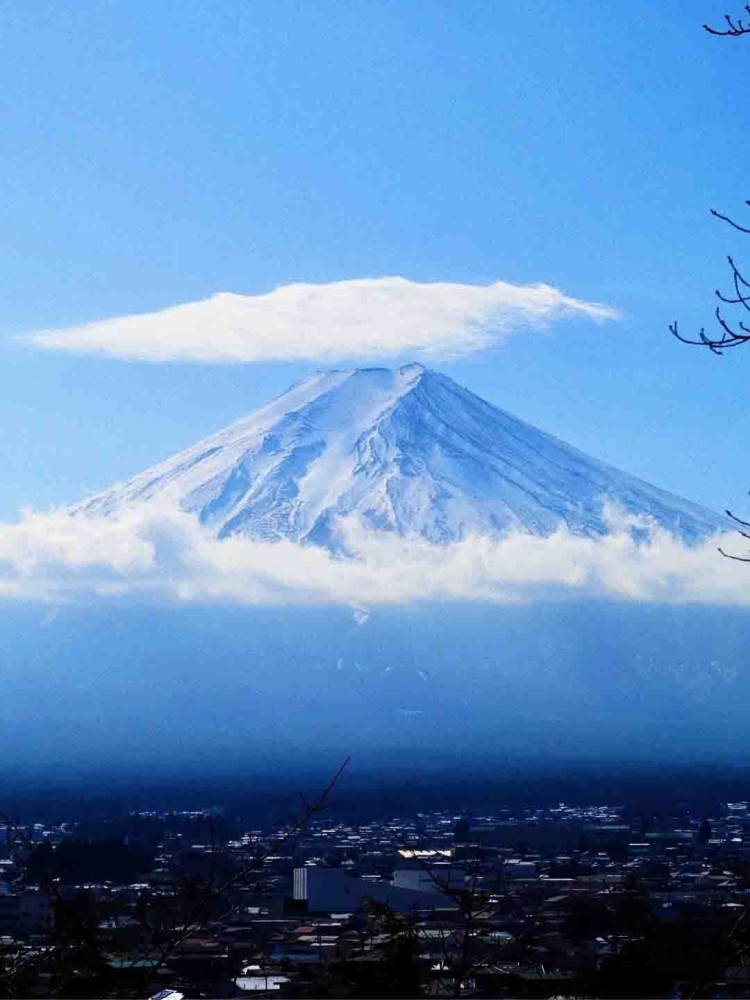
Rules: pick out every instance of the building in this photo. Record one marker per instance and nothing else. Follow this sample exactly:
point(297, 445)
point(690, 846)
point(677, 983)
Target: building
point(333, 890)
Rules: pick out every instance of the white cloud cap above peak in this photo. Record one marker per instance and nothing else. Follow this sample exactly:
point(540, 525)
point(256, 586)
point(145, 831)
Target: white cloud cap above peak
point(362, 318)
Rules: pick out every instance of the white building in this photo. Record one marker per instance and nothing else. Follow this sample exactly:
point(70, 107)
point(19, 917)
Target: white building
point(333, 890)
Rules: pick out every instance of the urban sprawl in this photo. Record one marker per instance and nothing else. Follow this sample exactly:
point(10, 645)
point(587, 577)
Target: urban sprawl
point(549, 902)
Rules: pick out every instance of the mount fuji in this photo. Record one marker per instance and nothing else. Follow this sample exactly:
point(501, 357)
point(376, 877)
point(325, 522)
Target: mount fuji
point(406, 451)
point(412, 453)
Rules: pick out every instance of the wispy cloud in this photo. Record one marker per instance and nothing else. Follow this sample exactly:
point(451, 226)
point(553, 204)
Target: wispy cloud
point(156, 549)
point(365, 319)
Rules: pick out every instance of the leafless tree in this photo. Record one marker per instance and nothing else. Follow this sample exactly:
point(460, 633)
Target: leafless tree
point(734, 26)
point(466, 942)
point(212, 899)
point(76, 948)
point(732, 324)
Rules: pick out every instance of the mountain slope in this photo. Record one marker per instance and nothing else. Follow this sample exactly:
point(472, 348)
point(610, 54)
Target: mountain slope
point(408, 451)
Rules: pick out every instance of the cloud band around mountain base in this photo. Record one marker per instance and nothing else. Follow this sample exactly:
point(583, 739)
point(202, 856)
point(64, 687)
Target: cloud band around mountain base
point(361, 318)
point(156, 550)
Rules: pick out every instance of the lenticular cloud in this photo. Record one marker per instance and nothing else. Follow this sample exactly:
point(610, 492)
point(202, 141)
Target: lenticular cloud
point(367, 318)
point(161, 551)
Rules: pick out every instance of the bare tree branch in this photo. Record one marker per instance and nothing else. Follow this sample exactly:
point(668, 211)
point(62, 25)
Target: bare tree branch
point(734, 26)
point(731, 336)
point(728, 555)
point(160, 942)
point(201, 909)
point(730, 220)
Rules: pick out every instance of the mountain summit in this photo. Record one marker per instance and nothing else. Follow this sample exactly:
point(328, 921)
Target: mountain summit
point(408, 451)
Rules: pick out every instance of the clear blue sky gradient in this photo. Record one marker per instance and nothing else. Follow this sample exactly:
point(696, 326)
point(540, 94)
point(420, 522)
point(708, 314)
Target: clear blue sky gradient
point(155, 153)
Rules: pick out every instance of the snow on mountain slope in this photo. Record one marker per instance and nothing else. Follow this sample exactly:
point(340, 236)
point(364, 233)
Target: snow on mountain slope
point(408, 451)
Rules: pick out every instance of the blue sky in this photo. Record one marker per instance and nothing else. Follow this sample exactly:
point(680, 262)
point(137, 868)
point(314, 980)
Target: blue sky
point(154, 154)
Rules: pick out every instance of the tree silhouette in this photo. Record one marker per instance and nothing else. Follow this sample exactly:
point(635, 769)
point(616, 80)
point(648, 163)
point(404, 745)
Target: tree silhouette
point(75, 961)
point(733, 325)
point(734, 26)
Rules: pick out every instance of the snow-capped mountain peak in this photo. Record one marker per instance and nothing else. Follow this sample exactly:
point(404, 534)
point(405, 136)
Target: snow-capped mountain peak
point(405, 450)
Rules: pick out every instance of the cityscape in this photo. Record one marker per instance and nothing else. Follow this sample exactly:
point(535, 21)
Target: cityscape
point(597, 900)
